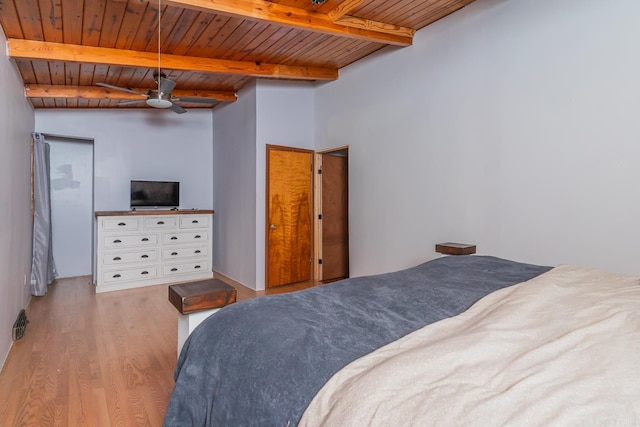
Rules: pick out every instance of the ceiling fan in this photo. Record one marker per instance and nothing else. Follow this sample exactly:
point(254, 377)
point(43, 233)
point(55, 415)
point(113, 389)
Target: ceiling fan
point(160, 97)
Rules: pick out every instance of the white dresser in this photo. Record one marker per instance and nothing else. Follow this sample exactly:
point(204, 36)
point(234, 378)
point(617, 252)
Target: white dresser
point(142, 248)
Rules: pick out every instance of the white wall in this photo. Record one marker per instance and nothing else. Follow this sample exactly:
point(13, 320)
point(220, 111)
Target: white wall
point(509, 124)
point(141, 144)
point(234, 187)
point(16, 125)
point(267, 112)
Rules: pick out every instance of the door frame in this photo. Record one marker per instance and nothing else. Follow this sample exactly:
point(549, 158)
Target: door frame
point(267, 223)
point(317, 210)
point(83, 140)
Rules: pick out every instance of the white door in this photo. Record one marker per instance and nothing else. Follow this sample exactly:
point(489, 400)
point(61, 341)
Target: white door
point(72, 205)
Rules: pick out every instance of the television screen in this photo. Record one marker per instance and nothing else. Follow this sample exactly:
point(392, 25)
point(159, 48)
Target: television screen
point(155, 194)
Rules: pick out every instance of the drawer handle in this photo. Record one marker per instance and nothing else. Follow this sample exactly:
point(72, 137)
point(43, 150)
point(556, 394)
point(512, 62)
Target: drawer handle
point(197, 236)
point(120, 224)
point(115, 276)
point(197, 251)
point(174, 238)
point(117, 258)
point(144, 256)
point(174, 253)
point(195, 221)
point(174, 269)
point(144, 272)
point(160, 222)
point(144, 239)
point(196, 267)
point(117, 241)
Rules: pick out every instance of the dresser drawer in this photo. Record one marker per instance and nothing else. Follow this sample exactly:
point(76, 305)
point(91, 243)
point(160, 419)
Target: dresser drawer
point(190, 252)
point(141, 273)
point(129, 240)
point(136, 249)
point(120, 224)
point(130, 257)
point(170, 269)
point(194, 221)
point(185, 237)
point(160, 223)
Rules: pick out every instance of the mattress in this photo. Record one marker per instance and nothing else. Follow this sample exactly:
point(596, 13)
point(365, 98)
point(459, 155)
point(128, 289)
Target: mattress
point(260, 362)
point(559, 349)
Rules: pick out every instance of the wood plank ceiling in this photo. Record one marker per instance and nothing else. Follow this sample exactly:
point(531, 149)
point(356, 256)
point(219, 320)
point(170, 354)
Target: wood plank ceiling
point(210, 48)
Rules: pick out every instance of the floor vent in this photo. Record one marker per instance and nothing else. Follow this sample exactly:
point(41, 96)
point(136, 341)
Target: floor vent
point(19, 326)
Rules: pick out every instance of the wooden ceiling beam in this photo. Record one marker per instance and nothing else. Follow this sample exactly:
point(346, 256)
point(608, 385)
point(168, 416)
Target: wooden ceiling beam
point(352, 21)
point(339, 16)
point(37, 50)
point(275, 13)
point(343, 8)
point(94, 92)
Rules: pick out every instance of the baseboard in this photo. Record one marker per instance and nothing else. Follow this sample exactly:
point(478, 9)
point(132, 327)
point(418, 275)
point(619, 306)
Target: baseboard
point(5, 356)
point(229, 280)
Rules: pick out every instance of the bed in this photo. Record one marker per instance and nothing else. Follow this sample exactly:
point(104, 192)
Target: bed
point(368, 350)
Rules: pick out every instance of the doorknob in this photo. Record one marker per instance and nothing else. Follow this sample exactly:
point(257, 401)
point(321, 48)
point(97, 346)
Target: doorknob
point(273, 227)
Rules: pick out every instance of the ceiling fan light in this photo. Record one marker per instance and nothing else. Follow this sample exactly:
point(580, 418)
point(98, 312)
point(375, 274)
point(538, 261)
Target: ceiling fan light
point(159, 103)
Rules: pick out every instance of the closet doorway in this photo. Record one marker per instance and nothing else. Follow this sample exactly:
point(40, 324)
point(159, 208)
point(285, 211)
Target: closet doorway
point(71, 178)
point(332, 213)
point(307, 213)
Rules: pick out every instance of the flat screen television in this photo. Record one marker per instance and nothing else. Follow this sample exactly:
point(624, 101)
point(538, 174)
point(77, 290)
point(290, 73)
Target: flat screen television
point(155, 194)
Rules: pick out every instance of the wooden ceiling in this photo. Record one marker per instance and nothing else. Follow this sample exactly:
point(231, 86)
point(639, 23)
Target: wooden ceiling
point(210, 48)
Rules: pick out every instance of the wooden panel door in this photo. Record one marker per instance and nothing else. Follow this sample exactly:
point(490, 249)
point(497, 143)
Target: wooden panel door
point(289, 233)
point(335, 217)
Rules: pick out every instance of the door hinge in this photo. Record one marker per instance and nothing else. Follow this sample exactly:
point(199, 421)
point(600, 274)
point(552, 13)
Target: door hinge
point(320, 216)
point(319, 261)
point(319, 171)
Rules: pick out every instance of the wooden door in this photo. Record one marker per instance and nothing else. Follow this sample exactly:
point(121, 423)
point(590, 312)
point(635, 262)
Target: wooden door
point(289, 233)
point(335, 216)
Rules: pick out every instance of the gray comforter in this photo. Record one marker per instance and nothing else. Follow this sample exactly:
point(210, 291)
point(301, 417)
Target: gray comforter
point(260, 362)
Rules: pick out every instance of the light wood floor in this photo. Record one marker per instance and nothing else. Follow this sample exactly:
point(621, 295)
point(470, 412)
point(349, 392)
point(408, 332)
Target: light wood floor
point(92, 359)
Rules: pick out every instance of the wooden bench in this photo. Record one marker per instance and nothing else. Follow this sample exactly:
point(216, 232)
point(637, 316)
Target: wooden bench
point(198, 300)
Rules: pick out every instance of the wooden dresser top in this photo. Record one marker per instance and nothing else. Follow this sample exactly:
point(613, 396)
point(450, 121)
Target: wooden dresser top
point(156, 212)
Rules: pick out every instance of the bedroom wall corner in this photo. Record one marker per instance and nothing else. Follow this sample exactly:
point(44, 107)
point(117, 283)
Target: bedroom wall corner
point(267, 112)
point(16, 125)
point(284, 117)
point(234, 188)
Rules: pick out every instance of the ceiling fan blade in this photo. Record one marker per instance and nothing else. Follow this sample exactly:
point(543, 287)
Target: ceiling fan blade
point(178, 109)
point(131, 102)
point(166, 85)
point(196, 100)
point(123, 89)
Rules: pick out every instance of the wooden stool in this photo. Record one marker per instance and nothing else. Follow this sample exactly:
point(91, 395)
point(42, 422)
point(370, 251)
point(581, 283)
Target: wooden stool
point(196, 301)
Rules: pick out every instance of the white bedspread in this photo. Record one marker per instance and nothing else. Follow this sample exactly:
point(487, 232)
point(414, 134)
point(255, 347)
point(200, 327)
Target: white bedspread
point(562, 349)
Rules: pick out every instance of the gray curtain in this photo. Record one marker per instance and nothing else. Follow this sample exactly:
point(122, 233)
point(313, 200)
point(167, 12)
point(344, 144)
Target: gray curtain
point(43, 268)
